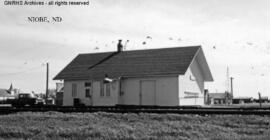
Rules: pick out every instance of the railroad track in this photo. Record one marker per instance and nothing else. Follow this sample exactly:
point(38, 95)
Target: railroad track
point(141, 109)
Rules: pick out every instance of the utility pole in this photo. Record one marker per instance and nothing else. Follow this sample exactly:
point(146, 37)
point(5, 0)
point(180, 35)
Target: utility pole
point(232, 86)
point(231, 95)
point(47, 83)
point(260, 100)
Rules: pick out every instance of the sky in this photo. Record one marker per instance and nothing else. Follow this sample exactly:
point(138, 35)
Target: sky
point(234, 35)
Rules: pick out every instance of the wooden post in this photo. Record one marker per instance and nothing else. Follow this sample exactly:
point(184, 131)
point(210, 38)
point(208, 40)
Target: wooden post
point(232, 86)
point(47, 84)
point(231, 96)
point(260, 101)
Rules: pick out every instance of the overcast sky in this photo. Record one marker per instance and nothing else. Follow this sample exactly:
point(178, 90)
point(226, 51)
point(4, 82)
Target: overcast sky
point(233, 33)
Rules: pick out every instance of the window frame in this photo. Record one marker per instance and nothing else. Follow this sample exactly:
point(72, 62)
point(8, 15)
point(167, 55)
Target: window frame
point(88, 86)
point(105, 89)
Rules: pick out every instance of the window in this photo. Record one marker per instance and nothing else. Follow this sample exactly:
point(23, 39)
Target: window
point(105, 89)
point(88, 89)
point(87, 84)
point(74, 90)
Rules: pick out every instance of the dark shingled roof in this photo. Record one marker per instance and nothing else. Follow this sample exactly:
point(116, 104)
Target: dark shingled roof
point(129, 63)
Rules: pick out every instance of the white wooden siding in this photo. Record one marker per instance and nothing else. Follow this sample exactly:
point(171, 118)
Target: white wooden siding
point(166, 91)
point(67, 97)
point(192, 82)
point(105, 100)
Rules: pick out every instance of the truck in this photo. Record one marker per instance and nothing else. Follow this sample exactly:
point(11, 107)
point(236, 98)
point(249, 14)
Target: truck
point(24, 99)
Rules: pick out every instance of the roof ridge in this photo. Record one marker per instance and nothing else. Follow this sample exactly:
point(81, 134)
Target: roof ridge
point(96, 53)
point(164, 48)
point(177, 47)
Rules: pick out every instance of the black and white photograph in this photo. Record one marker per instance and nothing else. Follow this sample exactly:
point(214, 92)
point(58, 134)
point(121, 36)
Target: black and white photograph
point(135, 69)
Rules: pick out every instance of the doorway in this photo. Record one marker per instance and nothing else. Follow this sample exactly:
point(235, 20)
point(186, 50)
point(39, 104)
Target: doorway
point(147, 92)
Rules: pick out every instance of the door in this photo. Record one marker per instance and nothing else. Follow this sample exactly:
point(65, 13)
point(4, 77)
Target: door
point(148, 92)
point(89, 92)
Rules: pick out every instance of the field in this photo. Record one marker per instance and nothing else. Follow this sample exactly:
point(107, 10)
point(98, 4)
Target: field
point(54, 125)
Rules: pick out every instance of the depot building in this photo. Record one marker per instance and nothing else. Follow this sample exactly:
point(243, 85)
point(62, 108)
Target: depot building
point(162, 77)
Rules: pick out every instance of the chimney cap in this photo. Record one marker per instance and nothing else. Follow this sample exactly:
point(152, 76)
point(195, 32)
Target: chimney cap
point(119, 46)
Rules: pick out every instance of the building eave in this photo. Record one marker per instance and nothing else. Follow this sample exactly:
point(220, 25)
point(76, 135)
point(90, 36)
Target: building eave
point(204, 66)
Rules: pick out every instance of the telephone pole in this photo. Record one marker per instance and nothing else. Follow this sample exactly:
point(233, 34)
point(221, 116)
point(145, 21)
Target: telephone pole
point(232, 86)
point(47, 83)
point(260, 99)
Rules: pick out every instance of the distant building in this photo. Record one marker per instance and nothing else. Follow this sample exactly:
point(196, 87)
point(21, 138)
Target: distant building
point(264, 99)
point(164, 77)
point(220, 98)
point(10, 93)
point(13, 91)
point(242, 100)
point(4, 95)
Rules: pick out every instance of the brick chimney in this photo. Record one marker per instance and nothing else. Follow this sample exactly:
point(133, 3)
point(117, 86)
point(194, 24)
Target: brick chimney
point(119, 46)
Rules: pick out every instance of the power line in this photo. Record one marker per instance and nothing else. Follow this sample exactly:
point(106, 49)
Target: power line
point(21, 72)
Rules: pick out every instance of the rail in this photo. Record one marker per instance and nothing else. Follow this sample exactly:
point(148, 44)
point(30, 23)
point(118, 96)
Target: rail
point(141, 109)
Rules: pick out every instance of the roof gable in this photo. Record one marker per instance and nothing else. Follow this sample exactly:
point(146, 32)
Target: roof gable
point(200, 58)
point(130, 63)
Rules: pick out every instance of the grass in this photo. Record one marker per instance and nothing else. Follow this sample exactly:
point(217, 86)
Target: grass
point(54, 125)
